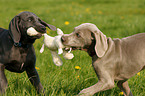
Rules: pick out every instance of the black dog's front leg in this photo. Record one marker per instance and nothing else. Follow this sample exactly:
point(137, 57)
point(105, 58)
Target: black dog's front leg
point(34, 79)
point(3, 80)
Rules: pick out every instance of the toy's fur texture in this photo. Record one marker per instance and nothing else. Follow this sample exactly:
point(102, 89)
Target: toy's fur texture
point(54, 44)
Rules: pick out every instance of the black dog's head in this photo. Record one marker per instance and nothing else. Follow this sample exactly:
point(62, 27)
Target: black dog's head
point(22, 22)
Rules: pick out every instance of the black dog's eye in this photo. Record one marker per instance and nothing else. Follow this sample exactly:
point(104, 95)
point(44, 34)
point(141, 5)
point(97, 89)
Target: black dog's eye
point(78, 35)
point(30, 19)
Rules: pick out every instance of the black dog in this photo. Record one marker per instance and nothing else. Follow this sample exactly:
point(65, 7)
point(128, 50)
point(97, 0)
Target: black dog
point(17, 53)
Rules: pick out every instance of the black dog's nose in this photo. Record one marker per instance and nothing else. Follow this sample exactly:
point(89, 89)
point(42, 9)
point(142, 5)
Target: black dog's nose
point(43, 28)
point(63, 39)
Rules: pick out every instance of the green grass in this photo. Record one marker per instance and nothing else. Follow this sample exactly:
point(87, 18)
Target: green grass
point(115, 18)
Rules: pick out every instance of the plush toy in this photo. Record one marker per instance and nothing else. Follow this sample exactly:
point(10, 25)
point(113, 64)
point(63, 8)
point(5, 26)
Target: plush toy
point(54, 44)
point(32, 32)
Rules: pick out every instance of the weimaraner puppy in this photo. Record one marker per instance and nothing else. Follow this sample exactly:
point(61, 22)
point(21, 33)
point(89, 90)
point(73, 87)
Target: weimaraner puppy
point(113, 60)
point(17, 53)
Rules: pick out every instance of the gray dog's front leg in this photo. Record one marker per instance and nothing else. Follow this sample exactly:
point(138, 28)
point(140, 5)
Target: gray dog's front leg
point(34, 79)
point(3, 79)
point(100, 86)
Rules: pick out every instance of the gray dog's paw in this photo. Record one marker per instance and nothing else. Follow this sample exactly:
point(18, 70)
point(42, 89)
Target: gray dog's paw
point(85, 92)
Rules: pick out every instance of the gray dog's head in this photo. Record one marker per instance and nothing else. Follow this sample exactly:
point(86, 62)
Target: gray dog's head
point(86, 37)
point(20, 23)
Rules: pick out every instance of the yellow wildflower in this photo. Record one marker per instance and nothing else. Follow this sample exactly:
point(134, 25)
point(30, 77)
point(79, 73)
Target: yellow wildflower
point(121, 93)
point(66, 23)
point(37, 68)
point(100, 12)
point(77, 67)
point(48, 30)
point(87, 10)
point(78, 77)
point(122, 17)
point(138, 73)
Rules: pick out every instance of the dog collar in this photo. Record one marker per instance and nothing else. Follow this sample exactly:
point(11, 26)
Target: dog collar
point(18, 44)
point(21, 45)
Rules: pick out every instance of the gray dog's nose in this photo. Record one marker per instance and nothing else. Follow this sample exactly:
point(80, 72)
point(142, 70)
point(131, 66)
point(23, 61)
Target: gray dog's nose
point(63, 39)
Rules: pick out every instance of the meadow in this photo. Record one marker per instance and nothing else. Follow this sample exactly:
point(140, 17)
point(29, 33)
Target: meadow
point(115, 18)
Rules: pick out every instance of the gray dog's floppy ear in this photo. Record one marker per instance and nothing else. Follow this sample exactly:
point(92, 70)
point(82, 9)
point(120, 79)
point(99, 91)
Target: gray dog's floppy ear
point(53, 28)
point(14, 30)
point(101, 43)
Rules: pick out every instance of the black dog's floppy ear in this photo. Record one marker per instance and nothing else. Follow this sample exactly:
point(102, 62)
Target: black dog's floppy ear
point(53, 28)
point(14, 30)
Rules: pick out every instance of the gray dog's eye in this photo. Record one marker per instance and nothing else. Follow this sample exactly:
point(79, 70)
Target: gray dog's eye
point(78, 35)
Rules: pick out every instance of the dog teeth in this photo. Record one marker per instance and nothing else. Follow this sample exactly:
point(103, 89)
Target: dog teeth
point(69, 50)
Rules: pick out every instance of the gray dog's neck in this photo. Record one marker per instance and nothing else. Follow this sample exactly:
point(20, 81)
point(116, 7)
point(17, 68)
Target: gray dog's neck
point(91, 49)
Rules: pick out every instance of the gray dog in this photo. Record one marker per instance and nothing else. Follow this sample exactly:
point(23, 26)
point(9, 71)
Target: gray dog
point(113, 60)
point(17, 53)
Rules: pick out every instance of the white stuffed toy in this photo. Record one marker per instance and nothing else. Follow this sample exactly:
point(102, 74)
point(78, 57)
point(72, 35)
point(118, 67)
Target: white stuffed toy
point(54, 44)
point(32, 32)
